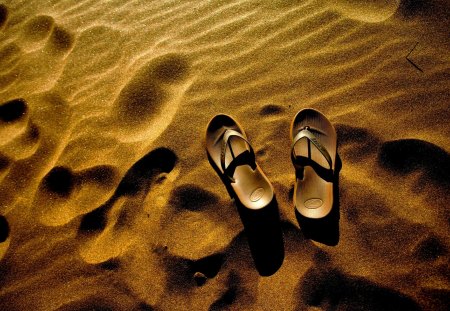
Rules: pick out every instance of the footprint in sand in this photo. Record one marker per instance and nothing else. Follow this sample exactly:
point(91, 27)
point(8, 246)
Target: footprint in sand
point(35, 129)
point(13, 111)
point(403, 156)
point(49, 44)
point(108, 231)
point(194, 213)
point(63, 194)
point(42, 30)
point(20, 135)
point(148, 102)
point(34, 60)
point(106, 228)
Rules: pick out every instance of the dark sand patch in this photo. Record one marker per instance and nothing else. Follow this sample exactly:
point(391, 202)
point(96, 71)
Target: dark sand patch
point(410, 155)
point(3, 14)
point(271, 109)
point(332, 289)
point(193, 198)
point(4, 229)
point(13, 110)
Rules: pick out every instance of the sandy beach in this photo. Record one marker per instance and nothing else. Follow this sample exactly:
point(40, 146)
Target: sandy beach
point(107, 198)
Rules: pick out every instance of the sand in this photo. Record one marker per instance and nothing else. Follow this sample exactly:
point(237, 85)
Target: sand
point(108, 201)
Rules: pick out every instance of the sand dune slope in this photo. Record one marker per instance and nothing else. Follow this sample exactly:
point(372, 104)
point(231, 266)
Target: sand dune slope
point(108, 201)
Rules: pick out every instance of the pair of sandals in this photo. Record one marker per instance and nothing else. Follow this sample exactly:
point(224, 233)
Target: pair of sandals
point(313, 154)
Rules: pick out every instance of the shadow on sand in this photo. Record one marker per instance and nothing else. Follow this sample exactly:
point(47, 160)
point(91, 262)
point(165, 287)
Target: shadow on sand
point(264, 235)
point(263, 230)
point(324, 230)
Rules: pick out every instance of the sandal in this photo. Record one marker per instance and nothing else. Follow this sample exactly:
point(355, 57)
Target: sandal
point(313, 152)
point(233, 158)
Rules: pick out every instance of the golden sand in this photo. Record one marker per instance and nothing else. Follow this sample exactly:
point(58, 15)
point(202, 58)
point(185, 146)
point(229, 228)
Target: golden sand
point(107, 199)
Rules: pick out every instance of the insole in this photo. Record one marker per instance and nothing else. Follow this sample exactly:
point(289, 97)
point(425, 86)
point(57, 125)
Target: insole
point(313, 195)
point(251, 186)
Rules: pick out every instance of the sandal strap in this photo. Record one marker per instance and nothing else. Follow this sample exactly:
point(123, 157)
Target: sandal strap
point(306, 133)
point(247, 157)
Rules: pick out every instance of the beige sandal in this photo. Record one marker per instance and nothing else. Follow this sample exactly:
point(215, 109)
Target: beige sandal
point(233, 158)
point(313, 152)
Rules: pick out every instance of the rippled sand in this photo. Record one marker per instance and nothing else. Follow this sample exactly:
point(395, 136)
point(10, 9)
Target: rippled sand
point(107, 199)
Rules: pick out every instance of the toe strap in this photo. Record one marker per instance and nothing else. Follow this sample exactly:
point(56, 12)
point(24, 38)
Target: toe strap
point(300, 161)
point(244, 158)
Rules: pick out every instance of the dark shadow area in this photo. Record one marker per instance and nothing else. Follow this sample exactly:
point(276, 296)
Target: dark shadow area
point(264, 236)
point(60, 180)
point(270, 109)
point(436, 299)
point(333, 290)
point(430, 249)
point(193, 198)
point(324, 230)
point(183, 273)
point(225, 301)
point(112, 264)
point(410, 8)
point(89, 304)
point(3, 14)
point(424, 8)
point(13, 110)
point(405, 156)
point(96, 220)
point(105, 304)
point(210, 265)
point(4, 162)
point(4, 229)
point(230, 296)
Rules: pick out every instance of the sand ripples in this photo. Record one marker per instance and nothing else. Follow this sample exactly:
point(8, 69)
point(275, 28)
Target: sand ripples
point(107, 200)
